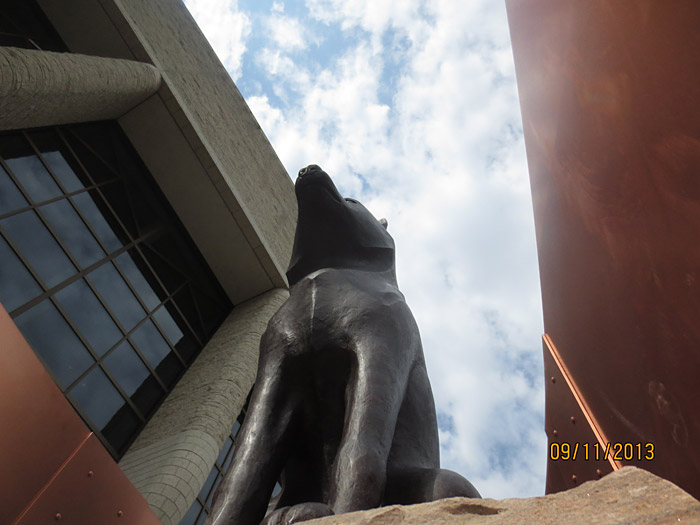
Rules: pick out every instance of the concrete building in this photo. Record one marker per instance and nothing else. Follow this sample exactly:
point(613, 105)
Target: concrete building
point(145, 228)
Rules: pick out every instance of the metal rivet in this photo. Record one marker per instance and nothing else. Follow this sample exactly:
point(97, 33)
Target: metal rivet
point(120, 514)
point(598, 473)
point(555, 432)
point(58, 516)
point(573, 478)
point(573, 419)
point(90, 473)
point(554, 379)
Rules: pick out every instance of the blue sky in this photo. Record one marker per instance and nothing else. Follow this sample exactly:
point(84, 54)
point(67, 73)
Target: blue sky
point(412, 108)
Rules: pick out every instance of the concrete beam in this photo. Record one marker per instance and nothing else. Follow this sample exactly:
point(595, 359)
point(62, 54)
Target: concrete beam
point(43, 88)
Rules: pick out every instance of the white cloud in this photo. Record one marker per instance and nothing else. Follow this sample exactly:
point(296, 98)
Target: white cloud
point(442, 157)
point(225, 27)
point(286, 32)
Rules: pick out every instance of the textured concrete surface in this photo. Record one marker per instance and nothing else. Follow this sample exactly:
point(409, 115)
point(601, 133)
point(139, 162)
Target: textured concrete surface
point(43, 88)
point(173, 455)
point(216, 126)
point(628, 496)
point(221, 119)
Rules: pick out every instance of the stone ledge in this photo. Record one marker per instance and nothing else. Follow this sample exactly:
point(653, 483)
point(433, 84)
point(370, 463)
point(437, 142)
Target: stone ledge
point(628, 496)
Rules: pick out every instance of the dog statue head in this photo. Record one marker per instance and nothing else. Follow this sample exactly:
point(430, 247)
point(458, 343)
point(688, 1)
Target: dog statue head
point(335, 232)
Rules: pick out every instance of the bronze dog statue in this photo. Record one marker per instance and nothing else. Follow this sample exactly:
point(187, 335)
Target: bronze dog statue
point(342, 407)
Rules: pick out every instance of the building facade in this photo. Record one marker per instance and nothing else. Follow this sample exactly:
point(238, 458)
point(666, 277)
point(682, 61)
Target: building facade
point(145, 228)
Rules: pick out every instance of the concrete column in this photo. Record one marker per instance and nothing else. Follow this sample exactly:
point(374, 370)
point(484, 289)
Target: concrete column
point(43, 88)
point(171, 459)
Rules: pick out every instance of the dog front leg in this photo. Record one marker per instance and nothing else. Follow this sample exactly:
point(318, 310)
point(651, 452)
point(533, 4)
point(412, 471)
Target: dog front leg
point(260, 452)
point(359, 474)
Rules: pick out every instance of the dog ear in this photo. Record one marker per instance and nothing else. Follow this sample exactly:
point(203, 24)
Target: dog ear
point(384, 222)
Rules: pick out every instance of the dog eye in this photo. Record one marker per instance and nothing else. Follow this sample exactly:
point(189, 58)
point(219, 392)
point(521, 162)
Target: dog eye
point(350, 200)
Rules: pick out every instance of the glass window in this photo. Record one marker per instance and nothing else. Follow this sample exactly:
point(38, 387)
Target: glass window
point(28, 169)
point(103, 223)
point(89, 316)
point(38, 246)
point(115, 195)
point(122, 429)
point(225, 450)
point(54, 340)
point(58, 156)
point(98, 170)
point(97, 397)
point(72, 232)
point(171, 277)
point(116, 294)
point(151, 344)
point(208, 484)
point(192, 514)
point(128, 370)
point(11, 198)
point(141, 278)
point(70, 196)
point(17, 286)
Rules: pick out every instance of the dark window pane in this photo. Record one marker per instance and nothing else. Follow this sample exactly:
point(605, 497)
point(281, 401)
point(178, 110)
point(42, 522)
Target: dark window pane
point(97, 397)
point(227, 463)
point(52, 338)
point(202, 518)
point(72, 232)
point(115, 195)
point(39, 247)
point(171, 278)
point(128, 370)
point(17, 286)
point(92, 320)
point(110, 285)
point(11, 198)
point(192, 514)
point(96, 167)
point(184, 301)
point(208, 484)
point(60, 160)
point(99, 138)
point(164, 319)
point(28, 169)
point(224, 451)
point(147, 397)
point(169, 369)
point(121, 428)
point(219, 478)
point(150, 343)
point(141, 278)
point(211, 313)
point(95, 211)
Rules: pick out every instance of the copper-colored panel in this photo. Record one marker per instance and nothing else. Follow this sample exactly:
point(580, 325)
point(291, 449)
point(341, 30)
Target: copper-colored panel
point(609, 94)
point(90, 489)
point(584, 456)
point(40, 430)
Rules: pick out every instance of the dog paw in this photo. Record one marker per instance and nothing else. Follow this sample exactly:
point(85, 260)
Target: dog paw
point(297, 514)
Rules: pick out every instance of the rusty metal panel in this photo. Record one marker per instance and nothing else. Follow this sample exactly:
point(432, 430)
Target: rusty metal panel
point(90, 489)
point(576, 451)
point(47, 452)
point(609, 95)
point(40, 430)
